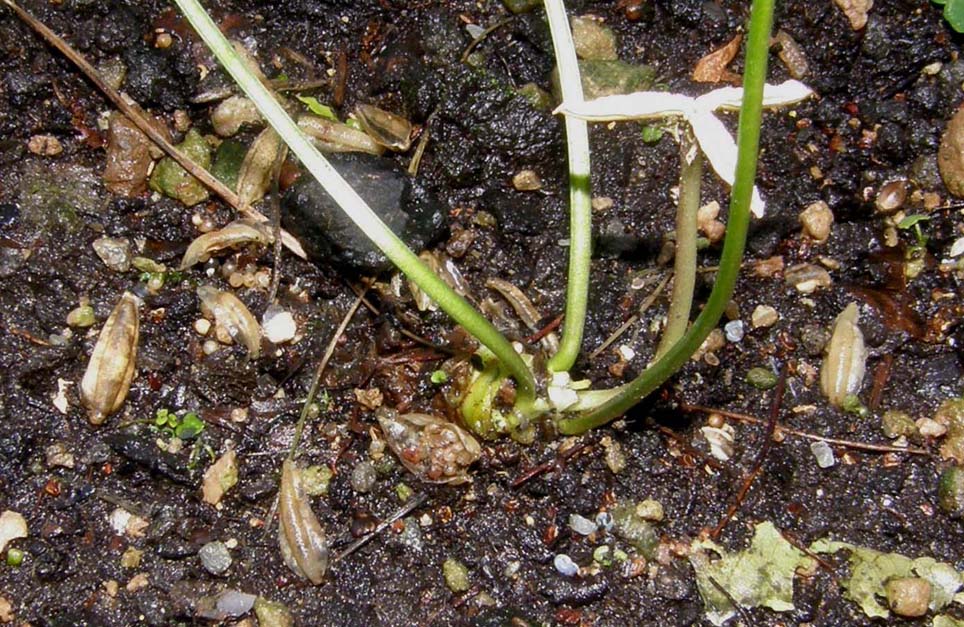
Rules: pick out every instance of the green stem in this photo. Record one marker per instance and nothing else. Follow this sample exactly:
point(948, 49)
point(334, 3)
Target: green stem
point(684, 267)
point(580, 206)
point(356, 208)
point(761, 20)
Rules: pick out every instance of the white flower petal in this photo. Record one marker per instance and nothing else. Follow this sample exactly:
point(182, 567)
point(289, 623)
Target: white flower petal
point(636, 106)
point(720, 150)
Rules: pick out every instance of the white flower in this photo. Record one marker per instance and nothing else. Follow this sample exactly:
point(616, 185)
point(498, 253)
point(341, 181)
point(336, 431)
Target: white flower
point(714, 140)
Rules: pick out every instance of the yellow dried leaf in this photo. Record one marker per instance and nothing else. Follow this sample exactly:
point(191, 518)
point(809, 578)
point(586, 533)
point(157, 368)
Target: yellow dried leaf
point(843, 368)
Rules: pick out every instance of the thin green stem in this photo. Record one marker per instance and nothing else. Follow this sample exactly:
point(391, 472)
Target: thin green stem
point(761, 20)
point(355, 207)
point(580, 206)
point(684, 266)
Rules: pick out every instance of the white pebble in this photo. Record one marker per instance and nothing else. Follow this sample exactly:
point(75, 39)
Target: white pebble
point(734, 330)
point(279, 325)
point(565, 565)
point(824, 454)
point(764, 316)
point(581, 525)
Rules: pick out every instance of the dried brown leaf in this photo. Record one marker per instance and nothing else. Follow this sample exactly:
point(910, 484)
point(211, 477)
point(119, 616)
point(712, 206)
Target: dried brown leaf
point(712, 67)
point(111, 367)
point(300, 536)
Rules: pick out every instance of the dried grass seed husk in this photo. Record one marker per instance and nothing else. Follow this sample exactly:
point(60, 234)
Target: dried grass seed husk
point(235, 234)
point(390, 130)
point(110, 370)
point(300, 536)
point(432, 448)
point(234, 316)
point(844, 365)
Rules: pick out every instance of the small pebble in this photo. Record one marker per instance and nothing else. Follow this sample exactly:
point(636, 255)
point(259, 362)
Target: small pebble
point(58, 455)
point(581, 525)
point(823, 453)
point(807, 277)
point(908, 596)
point(215, 557)
point(764, 316)
point(761, 378)
point(817, 221)
point(45, 145)
point(604, 520)
point(930, 428)
point(526, 181)
point(363, 477)
point(202, 326)
point(565, 565)
point(650, 509)
point(456, 576)
point(278, 325)
point(81, 317)
point(115, 252)
point(891, 196)
point(734, 330)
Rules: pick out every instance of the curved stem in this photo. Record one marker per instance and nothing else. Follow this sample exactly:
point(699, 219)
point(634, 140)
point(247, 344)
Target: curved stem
point(355, 207)
point(580, 206)
point(684, 266)
point(761, 20)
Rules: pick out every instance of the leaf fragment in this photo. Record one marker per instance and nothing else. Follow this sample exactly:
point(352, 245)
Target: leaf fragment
point(111, 367)
point(254, 177)
point(300, 536)
point(760, 576)
point(712, 68)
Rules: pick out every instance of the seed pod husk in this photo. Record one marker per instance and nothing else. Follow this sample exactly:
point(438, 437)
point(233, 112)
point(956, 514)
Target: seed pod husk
point(111, 367)
point(337, 137)
point(432, 448)
point(843, 368)
point(234, 316)
point(238, 233)
point(254, 177)
point(300, 536)
point(390, 130)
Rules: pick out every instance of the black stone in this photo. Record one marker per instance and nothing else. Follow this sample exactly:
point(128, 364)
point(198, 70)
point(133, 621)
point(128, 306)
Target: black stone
point(409, 209)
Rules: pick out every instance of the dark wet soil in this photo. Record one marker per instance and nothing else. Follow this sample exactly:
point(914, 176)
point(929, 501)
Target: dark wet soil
point(881, 108)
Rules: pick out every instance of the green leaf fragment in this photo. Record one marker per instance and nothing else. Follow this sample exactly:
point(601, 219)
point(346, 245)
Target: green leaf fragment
point(170, 179)
point(947, 621)
point(954, 14)
point(760, 576)
point(912, 220)
point(189, 427)
point(321, 110)
point(870, 571)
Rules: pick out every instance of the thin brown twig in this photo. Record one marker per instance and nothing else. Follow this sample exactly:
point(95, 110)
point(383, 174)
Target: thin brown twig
point(757, 467)
point(404, 510)
point(555, 463)
point(544, 331)
point(137, 115)
point(316, 381)
point(646, 304)
point(877, 448)
point(276, 220)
